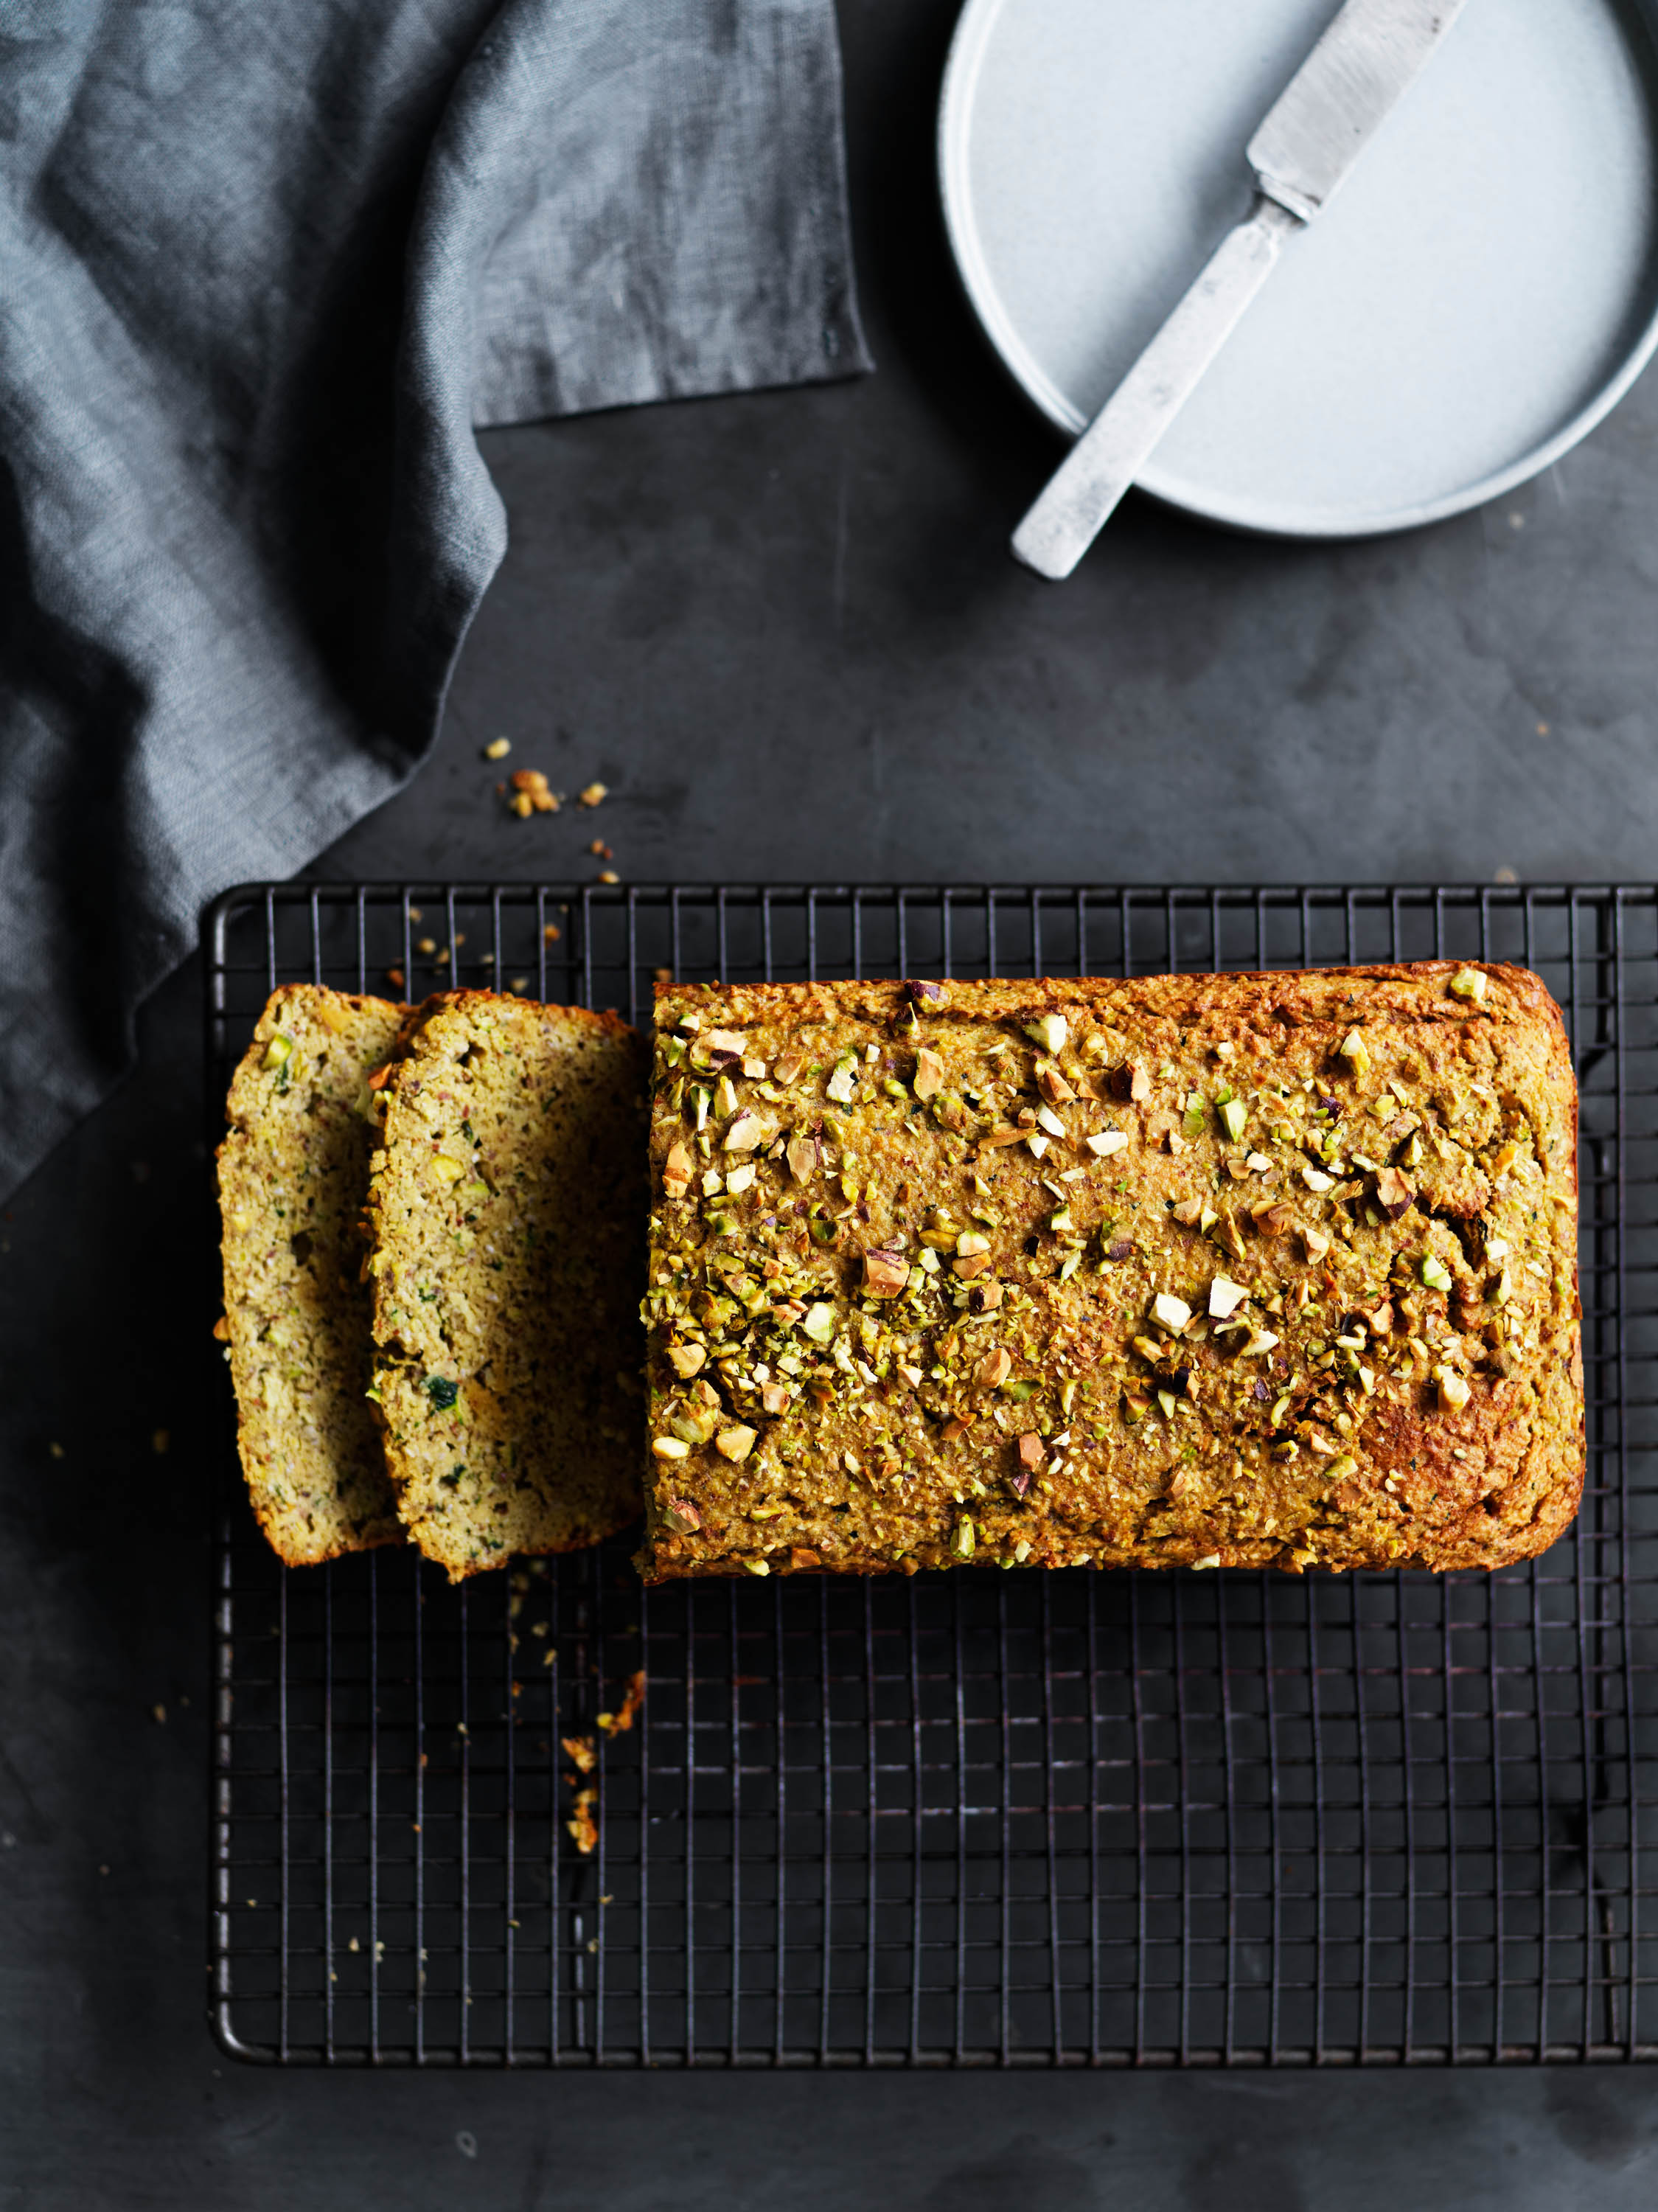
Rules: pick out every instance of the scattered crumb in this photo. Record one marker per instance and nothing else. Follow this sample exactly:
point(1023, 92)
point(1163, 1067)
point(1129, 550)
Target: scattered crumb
point(352, 1945)
point(486, 959)
point(662, 975)
point(429, 945)
point(530, 793)
point(160, 1441)
point(415, 915)
point(395, 975)
point(552, 932)
point(609, 876)
point(582, 1825)
point(158, 1714)
point(595, 794)
point(1506, 876)
point(498, 749)
point(57, 1450)
point(600, 850)
point(582, 1751)
point(519, 983)
point(618, 1722)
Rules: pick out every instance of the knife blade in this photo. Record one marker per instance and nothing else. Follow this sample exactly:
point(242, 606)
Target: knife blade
point(1366, 61)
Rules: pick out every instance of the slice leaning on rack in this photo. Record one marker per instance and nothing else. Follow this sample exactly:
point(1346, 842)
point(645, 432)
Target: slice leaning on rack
point(434, 1226)
point(1215, 1270)
point(293, 1176)
point(505, 1213)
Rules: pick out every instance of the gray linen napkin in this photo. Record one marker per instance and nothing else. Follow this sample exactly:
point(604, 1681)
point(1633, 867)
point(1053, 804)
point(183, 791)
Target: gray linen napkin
point(262, 269)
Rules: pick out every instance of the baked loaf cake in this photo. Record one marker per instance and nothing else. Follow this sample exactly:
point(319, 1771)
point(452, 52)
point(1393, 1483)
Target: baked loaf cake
point(1272, 1270)
point(292, 1178)
point(506, 1211)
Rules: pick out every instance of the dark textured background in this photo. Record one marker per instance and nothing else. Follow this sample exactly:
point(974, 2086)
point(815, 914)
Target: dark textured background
point(784, 630)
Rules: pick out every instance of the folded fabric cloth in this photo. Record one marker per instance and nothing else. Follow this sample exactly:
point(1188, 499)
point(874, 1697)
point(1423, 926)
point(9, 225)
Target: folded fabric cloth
point(263, 270)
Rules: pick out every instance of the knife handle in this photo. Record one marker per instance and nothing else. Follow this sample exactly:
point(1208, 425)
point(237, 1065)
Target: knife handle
point(1081, 494)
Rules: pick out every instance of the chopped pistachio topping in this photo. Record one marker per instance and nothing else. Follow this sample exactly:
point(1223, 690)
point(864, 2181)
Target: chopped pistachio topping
point(819, 1323)
point(1050, 1032)
point(1356, 1053)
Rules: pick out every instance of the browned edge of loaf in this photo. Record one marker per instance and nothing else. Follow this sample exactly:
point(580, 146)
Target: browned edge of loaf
point(1286, 1001)
point(380, 1528)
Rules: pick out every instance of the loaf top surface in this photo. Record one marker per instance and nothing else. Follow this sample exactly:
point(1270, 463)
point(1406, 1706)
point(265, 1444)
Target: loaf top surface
point(507, 1208)
point(1273, 1269)
point(293, 1175)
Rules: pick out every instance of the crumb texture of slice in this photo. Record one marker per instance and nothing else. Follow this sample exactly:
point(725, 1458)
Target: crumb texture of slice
point(507, 1212)
point(293, 1176)
point(1204, 1271)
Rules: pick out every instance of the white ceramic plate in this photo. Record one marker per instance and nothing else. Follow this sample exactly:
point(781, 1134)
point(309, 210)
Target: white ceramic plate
point(1483, 290)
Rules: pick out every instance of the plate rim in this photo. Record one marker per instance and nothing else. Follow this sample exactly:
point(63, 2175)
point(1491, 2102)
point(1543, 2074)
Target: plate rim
point(968, 43)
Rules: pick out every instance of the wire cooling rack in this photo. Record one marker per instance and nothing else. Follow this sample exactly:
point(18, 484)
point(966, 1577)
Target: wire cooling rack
point(977, 1817)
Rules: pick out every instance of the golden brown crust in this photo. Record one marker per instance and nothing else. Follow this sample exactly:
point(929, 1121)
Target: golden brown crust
point(1309, 1299)
point(505, 1210)
point(293, 1176)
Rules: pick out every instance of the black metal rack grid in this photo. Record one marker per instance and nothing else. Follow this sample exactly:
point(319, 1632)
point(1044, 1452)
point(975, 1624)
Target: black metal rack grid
point(976, 1817)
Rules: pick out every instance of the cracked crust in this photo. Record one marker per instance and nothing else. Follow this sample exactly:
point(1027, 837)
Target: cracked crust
point(1389, 1190)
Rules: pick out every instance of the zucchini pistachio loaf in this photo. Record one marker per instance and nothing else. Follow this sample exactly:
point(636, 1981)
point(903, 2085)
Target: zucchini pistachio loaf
point(1270, 1270)
point(506, 1212)
point(292, 1179)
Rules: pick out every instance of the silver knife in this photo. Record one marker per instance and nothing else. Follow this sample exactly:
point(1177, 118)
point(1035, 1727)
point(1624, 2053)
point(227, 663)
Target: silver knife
point(1369, 56)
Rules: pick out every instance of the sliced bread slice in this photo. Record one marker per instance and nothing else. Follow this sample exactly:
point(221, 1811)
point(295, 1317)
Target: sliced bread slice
point(507, 1210)
point(293, 1182)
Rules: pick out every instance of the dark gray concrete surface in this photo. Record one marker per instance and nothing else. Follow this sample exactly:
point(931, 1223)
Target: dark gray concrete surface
point(784, 630)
